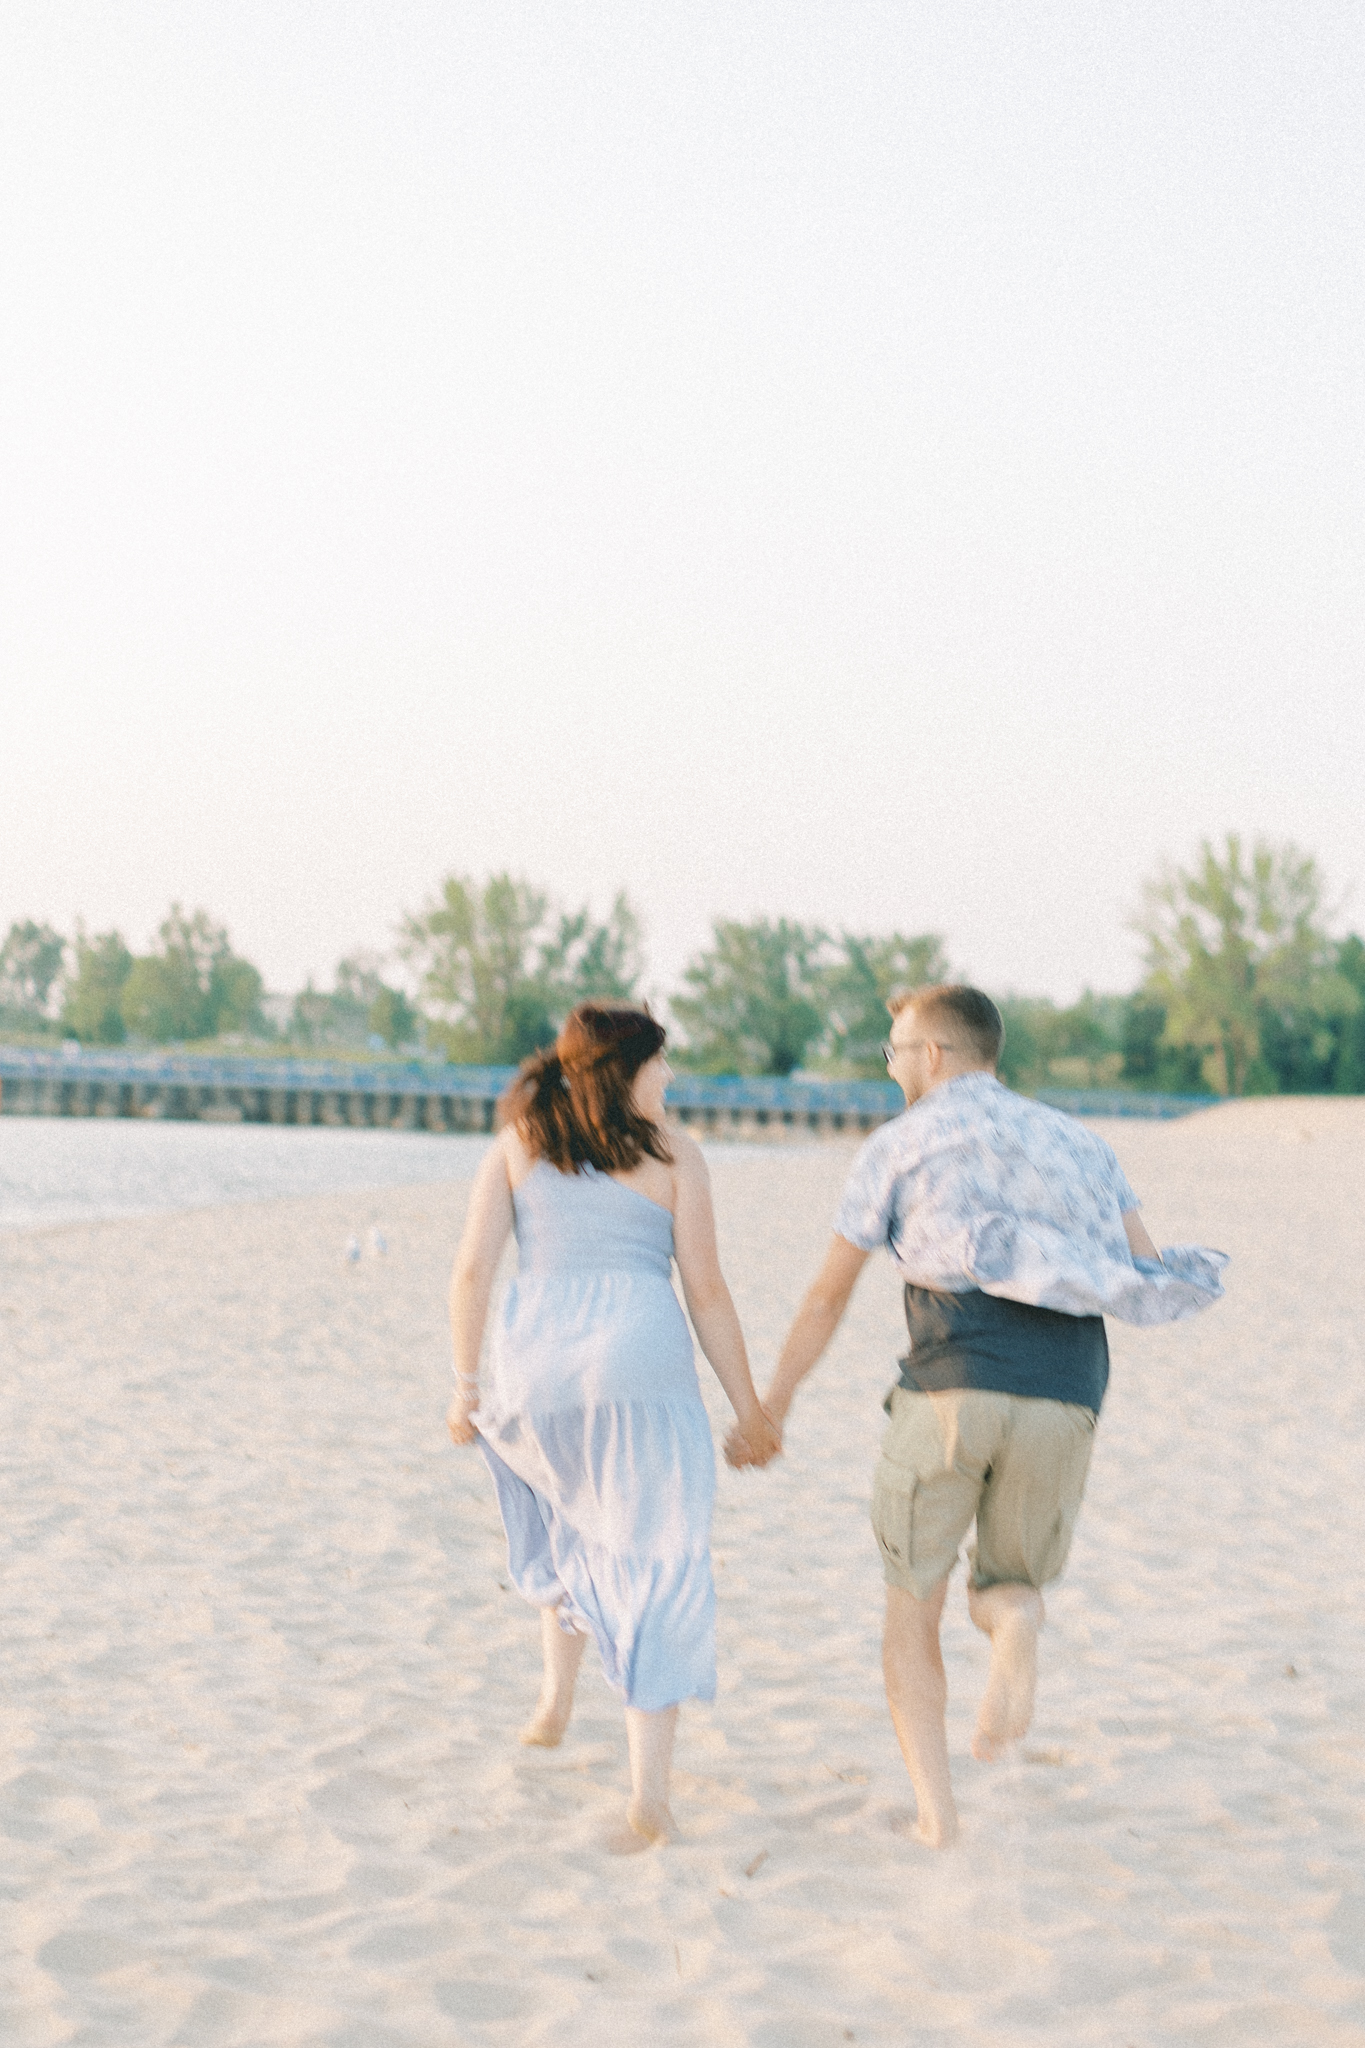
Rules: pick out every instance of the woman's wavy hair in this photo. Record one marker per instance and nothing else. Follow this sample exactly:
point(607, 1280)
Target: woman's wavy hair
point(571, 1102)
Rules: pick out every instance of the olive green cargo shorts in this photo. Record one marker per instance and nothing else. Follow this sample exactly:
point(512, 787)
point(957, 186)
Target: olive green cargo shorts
point(1015, 1466)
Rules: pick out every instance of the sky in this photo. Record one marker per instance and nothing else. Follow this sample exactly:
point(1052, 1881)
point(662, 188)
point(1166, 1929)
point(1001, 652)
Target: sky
point(897, 466)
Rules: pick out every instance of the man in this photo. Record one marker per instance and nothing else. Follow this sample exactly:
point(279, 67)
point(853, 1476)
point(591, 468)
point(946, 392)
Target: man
point(1014, 1229)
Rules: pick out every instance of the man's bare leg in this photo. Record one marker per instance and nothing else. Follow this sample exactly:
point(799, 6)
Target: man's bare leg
point(1011, 1616)
point(917, 1694)
point(561, 1655)
point(648, 1819)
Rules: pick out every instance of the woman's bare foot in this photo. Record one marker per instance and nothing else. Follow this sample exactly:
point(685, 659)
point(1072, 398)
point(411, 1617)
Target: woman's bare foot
point(561, 1655)
point(647, 1827)
point(1012, 1617)
point(545, 1729)
point(649, 1823)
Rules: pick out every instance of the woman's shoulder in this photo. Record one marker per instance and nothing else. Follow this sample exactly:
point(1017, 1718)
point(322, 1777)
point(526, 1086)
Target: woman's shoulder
point(690, 1174)
point(689, 1161)
point(518, 1156)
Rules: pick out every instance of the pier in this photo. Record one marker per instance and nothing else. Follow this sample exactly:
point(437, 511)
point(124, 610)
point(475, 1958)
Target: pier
point(393, 1095)
point(426, 1096)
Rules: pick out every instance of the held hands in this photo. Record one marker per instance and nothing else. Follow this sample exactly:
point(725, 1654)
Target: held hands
point(754, 1442)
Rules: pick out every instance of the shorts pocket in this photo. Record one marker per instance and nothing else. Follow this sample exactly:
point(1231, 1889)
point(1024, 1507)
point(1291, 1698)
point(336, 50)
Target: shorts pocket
point(893, 1516)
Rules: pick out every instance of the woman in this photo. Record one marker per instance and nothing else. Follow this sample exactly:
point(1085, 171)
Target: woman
point(593, 1426)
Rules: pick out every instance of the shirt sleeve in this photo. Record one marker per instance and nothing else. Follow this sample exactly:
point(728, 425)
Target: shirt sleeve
point(1127, 1200)
point(864, 1213)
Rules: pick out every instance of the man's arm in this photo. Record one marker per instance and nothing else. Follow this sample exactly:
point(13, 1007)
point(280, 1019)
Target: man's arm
point(816, 1321)
point(1139, 1244)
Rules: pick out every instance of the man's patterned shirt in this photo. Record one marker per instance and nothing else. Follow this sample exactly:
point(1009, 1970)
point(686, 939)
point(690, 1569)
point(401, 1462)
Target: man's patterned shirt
point(975, 1186)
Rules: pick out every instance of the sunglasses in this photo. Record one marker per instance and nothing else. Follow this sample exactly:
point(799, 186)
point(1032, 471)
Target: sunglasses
point(892, 1052)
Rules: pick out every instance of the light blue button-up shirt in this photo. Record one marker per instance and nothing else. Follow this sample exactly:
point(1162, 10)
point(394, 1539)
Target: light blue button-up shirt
point(975, 1186)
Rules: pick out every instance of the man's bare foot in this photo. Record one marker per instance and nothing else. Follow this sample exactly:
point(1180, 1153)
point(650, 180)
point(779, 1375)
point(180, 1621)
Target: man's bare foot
point(647, 1827)
point(1007, 1707)
point(933, 1832)
point(936, 1833)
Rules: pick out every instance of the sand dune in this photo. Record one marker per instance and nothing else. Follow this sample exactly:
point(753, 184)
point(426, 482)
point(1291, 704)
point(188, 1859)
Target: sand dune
point(263, 1675)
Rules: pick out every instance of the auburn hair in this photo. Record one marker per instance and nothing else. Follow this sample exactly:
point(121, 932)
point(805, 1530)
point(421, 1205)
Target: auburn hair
point(572, 1102)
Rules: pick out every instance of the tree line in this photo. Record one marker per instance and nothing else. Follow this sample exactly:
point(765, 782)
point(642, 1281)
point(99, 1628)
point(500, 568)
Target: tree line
point(1244, 991)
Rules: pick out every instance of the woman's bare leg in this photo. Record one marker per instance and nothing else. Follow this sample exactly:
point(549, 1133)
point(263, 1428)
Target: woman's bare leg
point(562, 1654)
point(648, 1819)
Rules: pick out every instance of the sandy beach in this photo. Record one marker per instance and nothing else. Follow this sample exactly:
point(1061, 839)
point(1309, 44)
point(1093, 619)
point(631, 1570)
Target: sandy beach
point(263, 1673)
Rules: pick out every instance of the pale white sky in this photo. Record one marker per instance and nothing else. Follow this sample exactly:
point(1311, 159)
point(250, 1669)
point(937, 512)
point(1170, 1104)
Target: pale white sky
point(891, 465)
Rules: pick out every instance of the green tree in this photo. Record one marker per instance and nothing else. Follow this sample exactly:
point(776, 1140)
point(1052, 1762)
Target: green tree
point(1312, 1048)
point(587, 962)
point(1050, 1046)
point(475, 950)
point(30, 962)
point(344, 1015)
point(501, 967)
point(361, 1006)
point(755, 998)
point(392, 1017)
point(1082, 1044)
point(310, 1020)
point(854, 992)
point(1090, 1028)
point(1348, 1066)
point(1233, 942)
point(195, 987)
point(1028, 1022)
point(92, 998)
point(235, 991)
point(374, 1009)
point(1149, 1061)
point(162, 1000)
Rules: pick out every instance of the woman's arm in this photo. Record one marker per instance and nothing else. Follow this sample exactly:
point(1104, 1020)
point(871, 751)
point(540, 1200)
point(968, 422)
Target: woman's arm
point(708, 1298)
point(487, 1228)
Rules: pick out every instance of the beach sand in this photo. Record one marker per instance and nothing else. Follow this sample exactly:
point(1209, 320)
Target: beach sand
point(263, 1674)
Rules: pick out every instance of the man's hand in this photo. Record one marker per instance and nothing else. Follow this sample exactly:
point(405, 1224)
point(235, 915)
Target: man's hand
point(757, 1443)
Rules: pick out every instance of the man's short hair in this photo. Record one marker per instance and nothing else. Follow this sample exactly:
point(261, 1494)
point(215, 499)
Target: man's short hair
point(950, 1006)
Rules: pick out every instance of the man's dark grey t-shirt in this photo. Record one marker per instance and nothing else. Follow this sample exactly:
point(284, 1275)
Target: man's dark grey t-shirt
point(1005, 1347)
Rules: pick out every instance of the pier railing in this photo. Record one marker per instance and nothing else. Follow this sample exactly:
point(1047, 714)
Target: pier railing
point(417, 1095)
point(383, 1095)
point(1123, 1102)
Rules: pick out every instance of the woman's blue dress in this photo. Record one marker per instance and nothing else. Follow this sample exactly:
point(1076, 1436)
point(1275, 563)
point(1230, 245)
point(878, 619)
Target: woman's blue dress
point(595, 1434)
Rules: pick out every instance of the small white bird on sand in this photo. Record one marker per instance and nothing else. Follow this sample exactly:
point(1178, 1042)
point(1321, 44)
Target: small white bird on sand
point(351, 1250)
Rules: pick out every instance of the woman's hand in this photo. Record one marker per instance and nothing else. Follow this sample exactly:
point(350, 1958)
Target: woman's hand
point(487, 1229)
point(755, 1441)
point(460, 1414)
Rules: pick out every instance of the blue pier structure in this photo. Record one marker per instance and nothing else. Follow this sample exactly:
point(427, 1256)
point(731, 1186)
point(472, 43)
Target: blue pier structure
point(425, 1096)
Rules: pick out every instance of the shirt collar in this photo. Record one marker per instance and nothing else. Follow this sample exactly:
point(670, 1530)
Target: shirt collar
point(975, 1082)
